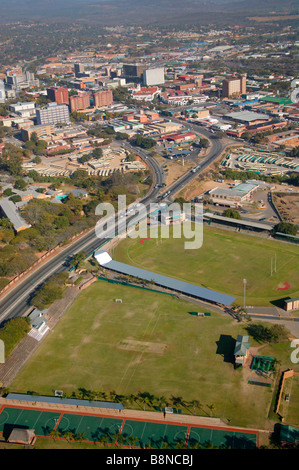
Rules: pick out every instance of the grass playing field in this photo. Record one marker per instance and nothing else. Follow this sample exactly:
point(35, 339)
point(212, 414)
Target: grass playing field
point(150, 343)
point(221, 264)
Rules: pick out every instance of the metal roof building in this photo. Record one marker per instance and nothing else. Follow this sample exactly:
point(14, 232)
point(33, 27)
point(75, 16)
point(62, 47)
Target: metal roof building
point(245, 224)
point(186, 288)
point(10, 211)
point(242, 345)
point(65, 401)
point(246, 116)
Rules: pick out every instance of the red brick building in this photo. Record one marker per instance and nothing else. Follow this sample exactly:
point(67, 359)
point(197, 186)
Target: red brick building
point(79, 102)
point(58, 94)
point(102, 98)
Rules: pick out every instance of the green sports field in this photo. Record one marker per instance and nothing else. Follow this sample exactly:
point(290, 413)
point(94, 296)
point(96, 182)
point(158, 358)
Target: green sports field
point(148, 343)
point(221, 264)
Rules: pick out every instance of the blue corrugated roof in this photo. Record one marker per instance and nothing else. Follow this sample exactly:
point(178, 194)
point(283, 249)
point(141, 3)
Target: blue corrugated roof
point(65, 401)
point(171, 283)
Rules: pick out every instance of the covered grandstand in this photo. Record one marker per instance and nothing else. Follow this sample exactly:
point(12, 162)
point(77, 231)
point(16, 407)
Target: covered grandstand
point(182, 287)
point(240, 224)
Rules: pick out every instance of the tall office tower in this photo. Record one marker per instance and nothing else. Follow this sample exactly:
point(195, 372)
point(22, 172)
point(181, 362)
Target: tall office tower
point(53, 113)
point(102, 98)
point(234, 86)
point(133, 72)
point(79, 69)
point(2, 92)
point(58, 94)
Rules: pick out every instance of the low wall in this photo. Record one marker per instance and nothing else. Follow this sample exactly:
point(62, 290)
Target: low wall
point(285, 375)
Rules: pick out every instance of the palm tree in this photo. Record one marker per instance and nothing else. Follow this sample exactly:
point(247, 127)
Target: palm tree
point(143, 398)
point(120, 439)
point(130, 399)
point(165, 445)
point(69, 435)
point(101, 395)
point(180, 444)
point(195, 404)
point(210, 445)
point(131, 441)
point(104, 440)
point(149, 445)
point(55, 434)
point(161, 401)
point(79, 437)
point(178, 401)
point(211, 407)
point(195, 445)
point(112, 395)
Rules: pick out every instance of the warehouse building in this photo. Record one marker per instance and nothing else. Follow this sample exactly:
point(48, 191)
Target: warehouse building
point(240, 193)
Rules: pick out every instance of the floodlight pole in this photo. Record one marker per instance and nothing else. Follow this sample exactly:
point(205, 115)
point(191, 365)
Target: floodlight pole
point(244, 283)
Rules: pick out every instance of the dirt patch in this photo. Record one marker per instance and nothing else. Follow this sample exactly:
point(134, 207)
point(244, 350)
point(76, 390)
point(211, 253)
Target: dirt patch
point(142, 346)
point(288, 206)
point(176, 170)
point(198, 187)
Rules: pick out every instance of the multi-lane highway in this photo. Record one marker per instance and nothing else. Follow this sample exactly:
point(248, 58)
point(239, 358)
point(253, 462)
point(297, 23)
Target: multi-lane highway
point(16, 301)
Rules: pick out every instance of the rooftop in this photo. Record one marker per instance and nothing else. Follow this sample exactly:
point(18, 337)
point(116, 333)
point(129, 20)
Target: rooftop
point(11, 213)
point(242, 345)
point(247, 116)
point(193, 290)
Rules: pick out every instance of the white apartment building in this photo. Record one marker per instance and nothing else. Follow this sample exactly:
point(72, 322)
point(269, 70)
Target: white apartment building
point(53, 113)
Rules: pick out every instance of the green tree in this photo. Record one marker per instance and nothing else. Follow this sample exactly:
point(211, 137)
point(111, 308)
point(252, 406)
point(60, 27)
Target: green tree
point(285, 227)
point(232, 214)
point(20, 184)
point(77, 259)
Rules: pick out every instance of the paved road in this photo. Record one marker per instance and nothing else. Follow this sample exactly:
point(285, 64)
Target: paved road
point(15, 303)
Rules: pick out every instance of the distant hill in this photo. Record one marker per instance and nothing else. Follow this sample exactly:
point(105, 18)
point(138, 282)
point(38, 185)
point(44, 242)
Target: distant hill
point(140, 11)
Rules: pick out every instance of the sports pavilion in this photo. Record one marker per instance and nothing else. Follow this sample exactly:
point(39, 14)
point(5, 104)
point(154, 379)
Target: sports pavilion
point(192, 290)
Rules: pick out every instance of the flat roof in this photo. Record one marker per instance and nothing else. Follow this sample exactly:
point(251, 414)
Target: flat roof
point(238, 221)
point(64, 401)
point(246, 187)
point(227, 192)
point(247, 116)
point(295, 299)
point(164, 281)
point(276, 99)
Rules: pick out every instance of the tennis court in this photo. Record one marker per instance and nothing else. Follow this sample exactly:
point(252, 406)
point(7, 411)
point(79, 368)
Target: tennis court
point(145, 433)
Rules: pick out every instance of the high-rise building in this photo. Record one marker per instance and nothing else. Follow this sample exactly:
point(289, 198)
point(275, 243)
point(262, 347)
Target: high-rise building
point(79, 102)
point(154, 76)
point(53, 113)
point(133, 72)
point(58, 94)
point(234, 86)
point(2, 92)
point(102, 98)
point(79, 70)
point(19, 81)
